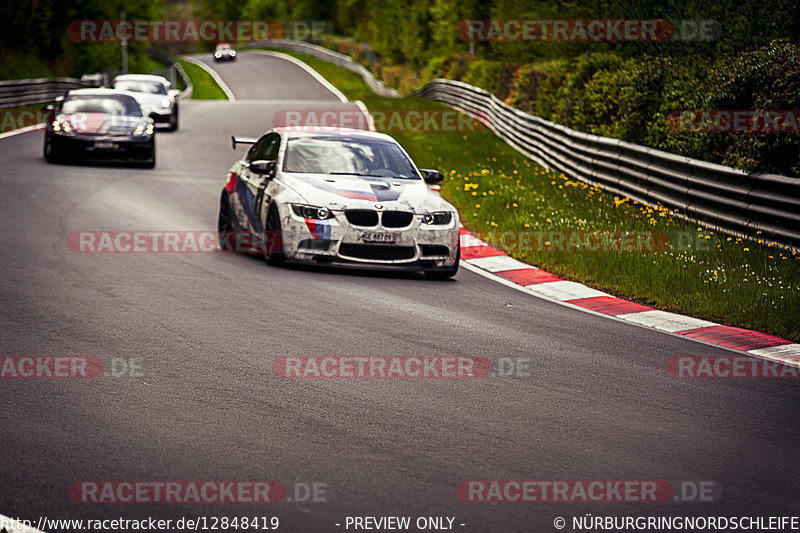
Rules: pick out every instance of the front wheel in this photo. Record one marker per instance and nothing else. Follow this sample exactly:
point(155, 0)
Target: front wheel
point(151, 161)
point(225, 225)
point(51, 154)
point(173, 120)
point(273, 249)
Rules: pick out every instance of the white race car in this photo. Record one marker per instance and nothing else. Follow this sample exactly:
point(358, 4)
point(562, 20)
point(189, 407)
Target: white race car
point(344, 196)
point(154, 95)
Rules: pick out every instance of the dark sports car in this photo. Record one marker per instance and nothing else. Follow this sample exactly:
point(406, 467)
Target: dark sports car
point(99, 124)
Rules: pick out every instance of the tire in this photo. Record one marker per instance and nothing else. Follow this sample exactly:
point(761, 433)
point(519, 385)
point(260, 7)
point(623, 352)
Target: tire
point(51, 153)
point(273, 251)
point(173, 120)
point(225, 224)
point(445, 273)
point(150, 163)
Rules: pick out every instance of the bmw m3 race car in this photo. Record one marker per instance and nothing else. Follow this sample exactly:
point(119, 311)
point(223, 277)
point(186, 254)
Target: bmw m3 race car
point(99, 124)
point(343, 196)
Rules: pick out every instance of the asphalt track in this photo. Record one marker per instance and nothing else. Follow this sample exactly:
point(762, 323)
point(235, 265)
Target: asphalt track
point(598, 404)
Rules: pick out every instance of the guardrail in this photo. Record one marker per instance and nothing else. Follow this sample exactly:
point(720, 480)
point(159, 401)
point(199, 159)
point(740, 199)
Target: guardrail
point(727, 198)
point(744, 203)
point(16, 93)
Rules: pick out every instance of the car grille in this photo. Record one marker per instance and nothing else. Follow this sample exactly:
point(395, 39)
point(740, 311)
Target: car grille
point(361, 217)
point(396, 219)
point(434, 249)
point(376, 252)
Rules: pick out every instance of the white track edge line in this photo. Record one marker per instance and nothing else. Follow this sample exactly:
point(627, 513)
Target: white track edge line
point(367, 115)
point(26, 129)
point(213, 73)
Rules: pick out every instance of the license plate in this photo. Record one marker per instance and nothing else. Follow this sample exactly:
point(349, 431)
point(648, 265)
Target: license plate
point(379, 238)
point(102, 145)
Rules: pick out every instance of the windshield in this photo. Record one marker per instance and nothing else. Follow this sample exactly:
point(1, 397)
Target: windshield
point(150, 87)
point(102, 104)
point(361, 157)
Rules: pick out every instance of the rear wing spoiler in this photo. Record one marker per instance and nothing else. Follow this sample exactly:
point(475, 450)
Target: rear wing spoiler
point(242, 140)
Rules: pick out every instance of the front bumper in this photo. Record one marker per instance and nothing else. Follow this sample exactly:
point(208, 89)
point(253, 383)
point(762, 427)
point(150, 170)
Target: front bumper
point(104, 147)
point(415, 246)
point(161, 115)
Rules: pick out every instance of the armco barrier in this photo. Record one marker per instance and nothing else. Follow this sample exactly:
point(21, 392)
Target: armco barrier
point(725, 197)
point(736, 201)
point(17, 93)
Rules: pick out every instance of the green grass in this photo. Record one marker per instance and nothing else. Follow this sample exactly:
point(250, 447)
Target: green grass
point(205, 88)
point(495, 188)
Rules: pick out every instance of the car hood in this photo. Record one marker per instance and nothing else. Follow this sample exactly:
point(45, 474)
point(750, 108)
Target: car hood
point(102, 123)
point(358, 192)
point(149, 100)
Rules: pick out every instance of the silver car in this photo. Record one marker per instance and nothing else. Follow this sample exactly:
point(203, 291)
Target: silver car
point(154, 95)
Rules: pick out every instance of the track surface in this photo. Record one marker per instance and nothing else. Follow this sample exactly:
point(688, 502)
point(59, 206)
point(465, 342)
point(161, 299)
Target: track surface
point(599, 404)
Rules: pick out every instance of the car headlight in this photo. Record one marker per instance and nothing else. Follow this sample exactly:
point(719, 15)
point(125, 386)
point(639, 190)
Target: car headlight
point(233, 52)
point(143, 129)
point(437, 219)
point(62, 126)
point(217, 54)
point(165, 103)
point(309, 211)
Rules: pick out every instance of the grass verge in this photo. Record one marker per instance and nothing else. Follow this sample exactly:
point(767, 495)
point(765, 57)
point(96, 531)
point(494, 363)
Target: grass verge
point(205, 88)
point(497, 190)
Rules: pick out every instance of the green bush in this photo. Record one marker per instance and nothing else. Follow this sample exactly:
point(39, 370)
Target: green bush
point(484, 74)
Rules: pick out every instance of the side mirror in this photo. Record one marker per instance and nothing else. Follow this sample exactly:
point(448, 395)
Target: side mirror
point(49, 107)
point(262, 166)
point(432, 177)
point(173, 92)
